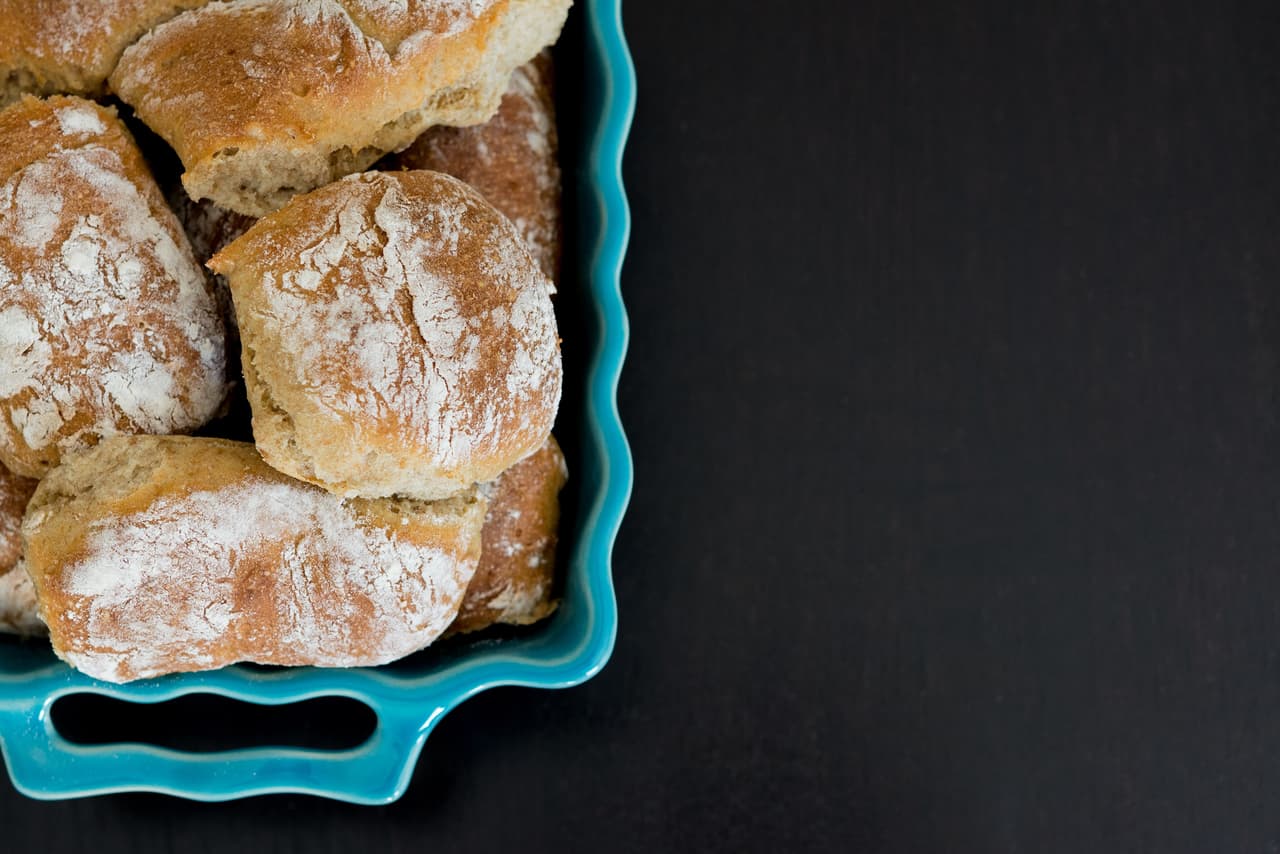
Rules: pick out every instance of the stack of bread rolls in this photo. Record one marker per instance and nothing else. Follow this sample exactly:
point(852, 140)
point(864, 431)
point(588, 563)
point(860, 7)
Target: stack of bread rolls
point(391, 331)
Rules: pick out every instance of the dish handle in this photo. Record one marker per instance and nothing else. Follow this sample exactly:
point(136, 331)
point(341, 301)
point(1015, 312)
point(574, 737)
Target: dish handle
point(45, 765)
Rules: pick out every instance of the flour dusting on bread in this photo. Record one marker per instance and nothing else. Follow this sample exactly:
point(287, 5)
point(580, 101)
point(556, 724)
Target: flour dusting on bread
point(154, 554)
point(399, 590)
point(107, 325)
point(400, 325)
point(510, 160)
point(71, 46)
point(392, 21)
point(513, 583)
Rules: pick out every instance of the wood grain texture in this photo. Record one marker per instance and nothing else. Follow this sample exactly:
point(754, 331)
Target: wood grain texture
point(953, 393)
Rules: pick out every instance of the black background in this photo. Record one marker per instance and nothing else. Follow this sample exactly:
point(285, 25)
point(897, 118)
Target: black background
point(953, 400)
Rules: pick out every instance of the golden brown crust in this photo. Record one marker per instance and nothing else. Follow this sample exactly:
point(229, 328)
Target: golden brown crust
point(510, 159)
point(71, 46)
point(391, 23)
point(155, 555)
point(513, 584)
point(263, 99)
point(397, 337)
point(107, 325)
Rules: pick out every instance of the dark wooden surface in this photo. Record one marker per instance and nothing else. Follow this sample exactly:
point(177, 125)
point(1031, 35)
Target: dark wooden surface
point(953, 394)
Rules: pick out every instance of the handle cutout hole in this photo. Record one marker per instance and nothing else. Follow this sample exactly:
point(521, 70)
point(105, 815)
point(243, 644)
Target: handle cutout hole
point(208, 723)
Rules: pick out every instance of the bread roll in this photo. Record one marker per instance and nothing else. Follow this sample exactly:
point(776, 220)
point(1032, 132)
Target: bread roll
point(263, 99)
point(71, 46)
point(17, 596)
point(107, 325)
point(510, 159)
point(155, 555)
point(397, 337)
point(513, 584)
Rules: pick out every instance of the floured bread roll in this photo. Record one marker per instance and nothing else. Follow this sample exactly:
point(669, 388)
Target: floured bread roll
point(17, 596)
point(107, 325)
point(155, 555)
point(397, 337)
point(513, 583)
point(71, 46)
point(263, 99)
point(510, 159)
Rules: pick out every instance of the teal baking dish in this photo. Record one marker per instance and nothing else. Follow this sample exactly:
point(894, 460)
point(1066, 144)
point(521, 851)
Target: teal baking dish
point(409, 698)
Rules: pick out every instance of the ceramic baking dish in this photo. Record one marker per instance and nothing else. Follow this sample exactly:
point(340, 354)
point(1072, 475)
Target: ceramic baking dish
point(410, 697)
